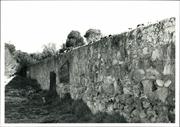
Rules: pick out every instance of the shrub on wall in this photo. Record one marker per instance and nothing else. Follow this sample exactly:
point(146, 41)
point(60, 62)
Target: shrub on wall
point(93, 35)
point(74, 39)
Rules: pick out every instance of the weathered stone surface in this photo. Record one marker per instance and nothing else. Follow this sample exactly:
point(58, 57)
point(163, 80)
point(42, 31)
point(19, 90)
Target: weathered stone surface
point(157, 54)
point(128, 109)
point(151, 114)
point(129, 101)
point(168, 69)
point(142, 114)
point(127, 90)
point(110, 108)
point(139, 74)
point(160, 83)
point(145, 51)
point(162, 93)
point(167, 83)
point(152, 73)
point(135, 114)
point(136, 90)
point(147, 85)
point(162, 118)
point(146, 104)
point(109, 85)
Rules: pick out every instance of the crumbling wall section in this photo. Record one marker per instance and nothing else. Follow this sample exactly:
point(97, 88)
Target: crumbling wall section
point(132, 73)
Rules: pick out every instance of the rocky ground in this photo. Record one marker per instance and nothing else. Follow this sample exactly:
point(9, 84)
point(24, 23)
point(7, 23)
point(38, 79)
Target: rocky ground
point(26, 103)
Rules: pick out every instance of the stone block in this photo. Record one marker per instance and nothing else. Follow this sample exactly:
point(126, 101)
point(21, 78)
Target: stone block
point(146, 104)
point(147, 87)
point(152, 73)
point(162, 93)
point(142, 114)
point(139, 75)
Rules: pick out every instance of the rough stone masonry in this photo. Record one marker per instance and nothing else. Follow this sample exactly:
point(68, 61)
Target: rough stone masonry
point(132, 73)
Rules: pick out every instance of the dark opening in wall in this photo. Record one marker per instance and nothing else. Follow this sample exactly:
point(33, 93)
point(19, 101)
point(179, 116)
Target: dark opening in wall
point(22, 71)
point(154, 87)
point(64, 73)
point(52, 89)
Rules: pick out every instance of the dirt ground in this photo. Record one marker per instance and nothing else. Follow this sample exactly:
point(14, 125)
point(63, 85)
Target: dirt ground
point(25, 102)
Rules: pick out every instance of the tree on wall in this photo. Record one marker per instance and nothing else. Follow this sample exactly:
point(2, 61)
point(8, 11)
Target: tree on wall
point(36, 56)
point(74, 39)
point(24, 59)
point(49, 50)
point(93, 35)
point(62, 49)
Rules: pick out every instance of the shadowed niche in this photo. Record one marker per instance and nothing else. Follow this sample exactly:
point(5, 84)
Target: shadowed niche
point(52, 89)
point(64, 73)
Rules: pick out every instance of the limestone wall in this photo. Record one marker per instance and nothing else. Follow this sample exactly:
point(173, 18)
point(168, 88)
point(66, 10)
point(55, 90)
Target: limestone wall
point(132, 73)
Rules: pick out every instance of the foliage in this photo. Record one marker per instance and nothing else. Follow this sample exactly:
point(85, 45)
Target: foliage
point(74, 39)
point(11, 47)
point(37, 56)
point(93, 35)
point(49, 50)
point(23, 58)
point(63, 48)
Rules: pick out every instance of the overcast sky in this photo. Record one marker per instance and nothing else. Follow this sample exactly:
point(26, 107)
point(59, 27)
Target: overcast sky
point(30, 24)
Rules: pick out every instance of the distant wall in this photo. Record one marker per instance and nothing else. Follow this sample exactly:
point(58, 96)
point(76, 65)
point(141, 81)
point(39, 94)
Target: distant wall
point(11, 64)
point(132, 73)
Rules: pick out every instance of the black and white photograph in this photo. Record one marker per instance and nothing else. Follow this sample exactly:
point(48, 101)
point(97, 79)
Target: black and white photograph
point(93, 63)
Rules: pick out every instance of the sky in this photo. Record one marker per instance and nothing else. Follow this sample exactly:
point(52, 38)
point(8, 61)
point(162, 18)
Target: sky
point(31, 24)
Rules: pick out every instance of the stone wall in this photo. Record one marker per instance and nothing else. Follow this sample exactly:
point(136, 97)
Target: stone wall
point(132, 73)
